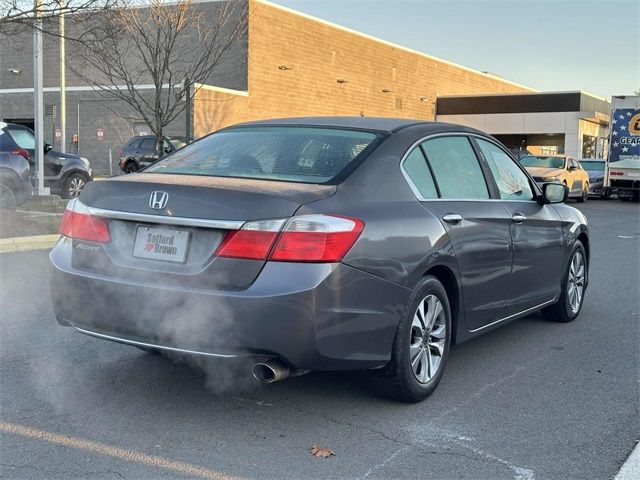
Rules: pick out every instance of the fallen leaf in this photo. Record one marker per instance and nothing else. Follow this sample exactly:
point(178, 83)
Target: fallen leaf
point(321, 452)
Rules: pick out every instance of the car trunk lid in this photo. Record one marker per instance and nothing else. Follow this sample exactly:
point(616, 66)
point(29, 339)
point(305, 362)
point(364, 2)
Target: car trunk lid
point(177, 244)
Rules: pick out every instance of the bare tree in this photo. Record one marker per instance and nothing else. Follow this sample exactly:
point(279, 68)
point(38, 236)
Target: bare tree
point(175, 46)
point(17, 14)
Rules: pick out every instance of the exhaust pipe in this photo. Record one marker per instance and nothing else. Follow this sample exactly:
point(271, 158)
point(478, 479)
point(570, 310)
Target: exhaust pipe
point(270, 371)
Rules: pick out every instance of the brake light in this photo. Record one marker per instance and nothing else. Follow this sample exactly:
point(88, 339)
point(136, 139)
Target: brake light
point(307, 238)
point(78, 223)
point(616, 173)
point(22, 152)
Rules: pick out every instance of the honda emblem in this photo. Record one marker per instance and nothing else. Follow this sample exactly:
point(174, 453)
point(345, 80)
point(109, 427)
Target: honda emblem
point(158, 200)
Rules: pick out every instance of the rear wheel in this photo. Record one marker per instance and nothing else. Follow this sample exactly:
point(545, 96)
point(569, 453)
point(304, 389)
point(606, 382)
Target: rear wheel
point(421, 345)
point(130, 167)
point(585, 194)
point(573, 287)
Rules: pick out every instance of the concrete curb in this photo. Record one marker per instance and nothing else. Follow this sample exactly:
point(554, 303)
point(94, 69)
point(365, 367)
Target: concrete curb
point(25, 244)
point(630, 470)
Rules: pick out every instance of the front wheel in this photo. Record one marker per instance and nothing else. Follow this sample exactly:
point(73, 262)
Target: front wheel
point(73, 185)
point(421, 345)
point(574, 285)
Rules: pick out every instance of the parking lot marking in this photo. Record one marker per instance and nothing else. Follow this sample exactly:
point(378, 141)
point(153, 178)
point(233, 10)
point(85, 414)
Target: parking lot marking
point(109, 450)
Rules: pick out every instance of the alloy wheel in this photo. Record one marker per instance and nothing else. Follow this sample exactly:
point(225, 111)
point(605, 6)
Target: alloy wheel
point(76, 185)
point(427, 339)
point(575, 281)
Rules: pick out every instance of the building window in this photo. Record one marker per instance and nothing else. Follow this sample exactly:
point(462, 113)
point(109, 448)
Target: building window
point(588, 146)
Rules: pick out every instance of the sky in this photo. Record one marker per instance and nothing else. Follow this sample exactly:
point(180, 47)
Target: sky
point(551, 45)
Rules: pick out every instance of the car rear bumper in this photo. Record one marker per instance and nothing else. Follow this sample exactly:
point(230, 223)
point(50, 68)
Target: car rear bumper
point(313, 316)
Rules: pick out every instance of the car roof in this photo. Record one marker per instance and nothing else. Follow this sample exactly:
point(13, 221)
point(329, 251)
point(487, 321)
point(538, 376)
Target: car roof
point(381, 124)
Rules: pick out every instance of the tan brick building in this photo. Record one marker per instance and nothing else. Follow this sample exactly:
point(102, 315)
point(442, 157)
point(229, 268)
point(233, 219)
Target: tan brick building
point(299, 65)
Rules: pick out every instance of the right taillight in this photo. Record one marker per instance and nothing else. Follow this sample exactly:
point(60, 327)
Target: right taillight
point(78, 223)
point(22, 152)
point(316, 238)
point(306, 238)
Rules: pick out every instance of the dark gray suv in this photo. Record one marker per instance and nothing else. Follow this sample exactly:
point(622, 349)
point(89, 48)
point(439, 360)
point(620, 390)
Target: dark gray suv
point(65, 174)
point(140, 151)
point(321, 244)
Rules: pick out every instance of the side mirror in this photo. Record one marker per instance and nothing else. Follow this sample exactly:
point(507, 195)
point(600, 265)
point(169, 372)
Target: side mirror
point(572, 168)
point(554, 192)
point(167, 149)
point(47, 147)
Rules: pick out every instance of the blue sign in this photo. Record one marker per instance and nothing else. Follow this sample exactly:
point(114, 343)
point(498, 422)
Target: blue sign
point(625, 135)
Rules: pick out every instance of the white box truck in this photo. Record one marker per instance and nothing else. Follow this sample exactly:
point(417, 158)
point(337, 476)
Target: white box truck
point(623, 172)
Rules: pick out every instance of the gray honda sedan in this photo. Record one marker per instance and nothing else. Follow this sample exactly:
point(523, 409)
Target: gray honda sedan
point(321, 244)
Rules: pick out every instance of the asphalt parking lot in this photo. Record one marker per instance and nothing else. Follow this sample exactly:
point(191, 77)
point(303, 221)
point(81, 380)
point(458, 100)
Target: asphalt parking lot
point(532, 400)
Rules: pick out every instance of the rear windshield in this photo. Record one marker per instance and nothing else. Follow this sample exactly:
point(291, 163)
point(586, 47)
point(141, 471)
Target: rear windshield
point(546, 162)
point(592, 166)
point(293, 154)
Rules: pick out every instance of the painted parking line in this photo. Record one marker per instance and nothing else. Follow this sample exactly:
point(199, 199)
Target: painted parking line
point(116, 452)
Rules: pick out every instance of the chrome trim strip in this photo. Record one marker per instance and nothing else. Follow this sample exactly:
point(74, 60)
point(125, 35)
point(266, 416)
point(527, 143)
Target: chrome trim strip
point(186, 221)
point(523, 312)
point(159, 347)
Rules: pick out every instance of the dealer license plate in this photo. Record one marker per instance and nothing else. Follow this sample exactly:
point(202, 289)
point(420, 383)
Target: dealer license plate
point(161, 244)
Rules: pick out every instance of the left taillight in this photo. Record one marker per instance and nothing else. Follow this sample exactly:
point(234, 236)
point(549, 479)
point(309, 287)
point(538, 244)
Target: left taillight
point(78, 223)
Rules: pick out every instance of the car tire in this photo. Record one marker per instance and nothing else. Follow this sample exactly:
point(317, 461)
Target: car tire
point(566, 309)
point(130, 167)
point(606, 194)
point(585, 194)
point(7, 197)
point(73, 185)
point(415, 369)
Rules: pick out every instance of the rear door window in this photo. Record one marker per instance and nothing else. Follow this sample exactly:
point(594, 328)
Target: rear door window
point(295, 154)
point(456, 168)
point(148, 144)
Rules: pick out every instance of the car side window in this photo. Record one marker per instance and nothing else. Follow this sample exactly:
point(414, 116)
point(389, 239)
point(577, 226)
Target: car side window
point(456, 167)
point(148, 144)
point(512, 182)
point(23, 138)
point(415, 166)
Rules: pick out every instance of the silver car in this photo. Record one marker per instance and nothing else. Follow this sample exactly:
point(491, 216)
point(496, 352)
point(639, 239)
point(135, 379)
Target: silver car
point(321, 244)
point(597, 170)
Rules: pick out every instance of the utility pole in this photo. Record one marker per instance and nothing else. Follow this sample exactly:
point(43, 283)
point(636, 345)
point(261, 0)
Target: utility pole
point(63, 85)
point(187, 112)
point(38, 100)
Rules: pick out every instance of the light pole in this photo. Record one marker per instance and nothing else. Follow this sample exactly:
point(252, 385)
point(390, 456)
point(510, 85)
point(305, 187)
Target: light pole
point(38, 100)
point(63, 84)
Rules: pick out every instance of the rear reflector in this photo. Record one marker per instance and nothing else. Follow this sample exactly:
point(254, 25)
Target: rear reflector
point(79, 224)
point(307, 238)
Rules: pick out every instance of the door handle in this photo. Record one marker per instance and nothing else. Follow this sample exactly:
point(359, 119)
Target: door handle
point(518, 218)
point(452, 218)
